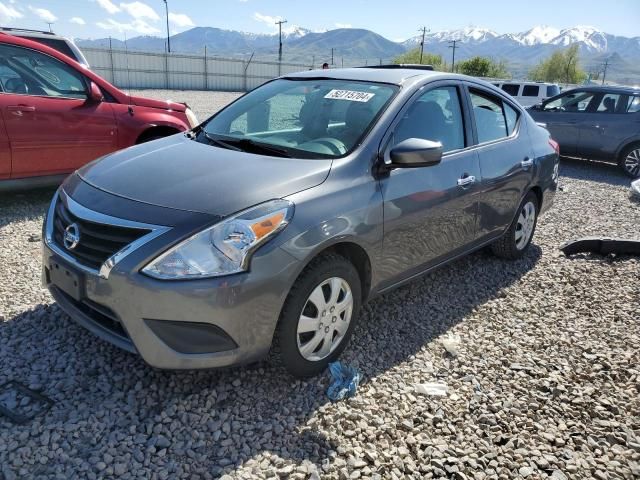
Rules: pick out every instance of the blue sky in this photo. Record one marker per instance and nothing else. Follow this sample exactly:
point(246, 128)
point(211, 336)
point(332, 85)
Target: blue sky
point(101, 18)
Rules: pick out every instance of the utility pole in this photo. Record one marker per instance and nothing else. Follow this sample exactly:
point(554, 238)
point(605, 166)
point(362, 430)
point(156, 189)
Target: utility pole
point(424, 31)
point(279, 23)
point(604, 70)
point(50, 23)
point(332, 56)
point(166, 9)
point(453, 54)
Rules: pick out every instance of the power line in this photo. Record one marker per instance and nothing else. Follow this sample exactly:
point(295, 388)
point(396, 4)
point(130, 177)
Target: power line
point(452, 45)
point(424, 31)
point(279, 23)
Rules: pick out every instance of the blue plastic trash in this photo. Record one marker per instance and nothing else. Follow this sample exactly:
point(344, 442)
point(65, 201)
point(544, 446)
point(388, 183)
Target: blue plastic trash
point(344, 383)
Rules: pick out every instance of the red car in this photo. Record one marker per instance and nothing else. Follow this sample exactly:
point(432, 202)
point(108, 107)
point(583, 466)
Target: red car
point(56, 115)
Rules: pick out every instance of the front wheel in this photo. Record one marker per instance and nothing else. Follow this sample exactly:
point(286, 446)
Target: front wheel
point(516, 240)
point(630, 161)
point(318, 316)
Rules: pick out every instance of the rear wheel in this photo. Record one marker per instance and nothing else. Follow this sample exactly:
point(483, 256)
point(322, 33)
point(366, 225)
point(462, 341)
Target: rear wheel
point(318, 316)
point(516, 240)
point(630, 161)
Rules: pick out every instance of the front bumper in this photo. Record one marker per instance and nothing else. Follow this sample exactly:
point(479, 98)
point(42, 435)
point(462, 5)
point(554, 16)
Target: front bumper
point(230, 320)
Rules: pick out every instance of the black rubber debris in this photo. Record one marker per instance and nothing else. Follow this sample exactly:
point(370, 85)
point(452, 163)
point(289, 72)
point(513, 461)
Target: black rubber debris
point(20, 404)
point(602, 245)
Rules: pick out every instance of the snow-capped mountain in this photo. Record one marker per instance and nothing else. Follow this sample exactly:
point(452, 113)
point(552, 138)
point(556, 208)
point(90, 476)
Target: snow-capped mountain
point(589, 38)
point(537, 35)
point(294, 31)
point(468, 34)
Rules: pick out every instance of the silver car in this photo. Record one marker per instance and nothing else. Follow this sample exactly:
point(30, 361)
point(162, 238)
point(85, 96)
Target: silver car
point(265, 229)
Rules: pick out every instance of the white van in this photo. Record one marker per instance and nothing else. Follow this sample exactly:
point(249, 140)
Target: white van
point(529, 93)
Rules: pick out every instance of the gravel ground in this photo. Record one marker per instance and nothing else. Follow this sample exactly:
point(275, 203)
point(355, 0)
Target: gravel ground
point(544, 382)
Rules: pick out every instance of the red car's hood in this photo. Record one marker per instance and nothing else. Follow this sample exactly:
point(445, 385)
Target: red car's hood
point(163, 104)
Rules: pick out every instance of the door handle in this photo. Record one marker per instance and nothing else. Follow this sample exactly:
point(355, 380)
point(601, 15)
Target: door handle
point(20, 109)
point(465, 181)
point(527, 163)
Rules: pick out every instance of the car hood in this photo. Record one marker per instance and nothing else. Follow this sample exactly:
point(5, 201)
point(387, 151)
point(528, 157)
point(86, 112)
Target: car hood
point(180, 173)
point(163, 104)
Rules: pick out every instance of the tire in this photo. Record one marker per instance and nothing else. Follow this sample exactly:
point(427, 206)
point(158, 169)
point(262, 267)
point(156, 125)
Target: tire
point(510, 245)
point(303, 353)
point(629, 161)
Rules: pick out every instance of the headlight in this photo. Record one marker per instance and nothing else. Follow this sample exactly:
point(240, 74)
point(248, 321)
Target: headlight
point(191, 118)
point(224, 248)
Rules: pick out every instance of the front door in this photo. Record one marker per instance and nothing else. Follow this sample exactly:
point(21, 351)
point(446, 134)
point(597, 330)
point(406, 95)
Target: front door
point(52, 125)
point(563, 117)
point(429, 212)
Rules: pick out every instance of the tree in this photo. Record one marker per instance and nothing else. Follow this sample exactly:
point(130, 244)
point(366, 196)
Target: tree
point(413, 56)
point(562, 66)
point(483, 67)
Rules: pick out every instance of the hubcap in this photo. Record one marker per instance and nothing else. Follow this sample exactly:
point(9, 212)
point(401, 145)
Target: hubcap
point(325, 319)
point(526, 222)
point(632, 162)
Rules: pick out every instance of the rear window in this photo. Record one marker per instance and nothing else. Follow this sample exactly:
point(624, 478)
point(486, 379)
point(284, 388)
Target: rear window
point(530, 91)
point(552, 90)
point(511, 89)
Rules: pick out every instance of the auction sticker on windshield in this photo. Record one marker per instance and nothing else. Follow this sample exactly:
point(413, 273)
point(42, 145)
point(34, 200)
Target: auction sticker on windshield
point(350, 95)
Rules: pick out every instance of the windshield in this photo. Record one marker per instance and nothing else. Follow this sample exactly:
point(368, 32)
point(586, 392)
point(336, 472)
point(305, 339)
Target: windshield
point(299, 118)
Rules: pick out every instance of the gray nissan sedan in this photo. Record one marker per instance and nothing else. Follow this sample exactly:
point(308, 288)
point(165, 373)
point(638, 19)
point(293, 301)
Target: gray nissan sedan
point(264, 230)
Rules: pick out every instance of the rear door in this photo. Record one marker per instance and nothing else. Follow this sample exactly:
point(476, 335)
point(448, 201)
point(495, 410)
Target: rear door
point(506, 159)
point(52, 125)
point(604, 129)
point(430, 212)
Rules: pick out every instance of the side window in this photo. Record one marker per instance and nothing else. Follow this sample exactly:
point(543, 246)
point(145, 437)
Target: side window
point(571, 102)
point(511, 89)
point(41, 75)
point(634, 105)
point(609, 103)
point(491, 123)
point(436, 115)
point(530, 91)
point(512, 117)
point(10, 80)
point(552, 90)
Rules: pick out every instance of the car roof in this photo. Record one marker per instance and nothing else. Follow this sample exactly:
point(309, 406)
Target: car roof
point(609, 88)
point(395, 76)
point(526, 82)
point(23, 32)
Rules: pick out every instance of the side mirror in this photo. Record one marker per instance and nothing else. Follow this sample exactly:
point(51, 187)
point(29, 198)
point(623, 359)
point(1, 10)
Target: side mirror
point(415, 152)
point(95, 94)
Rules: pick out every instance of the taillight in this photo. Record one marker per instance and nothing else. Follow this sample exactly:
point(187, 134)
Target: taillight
point(555, 145)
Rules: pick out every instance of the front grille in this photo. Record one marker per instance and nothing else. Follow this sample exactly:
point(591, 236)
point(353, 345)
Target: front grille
point(98, 241)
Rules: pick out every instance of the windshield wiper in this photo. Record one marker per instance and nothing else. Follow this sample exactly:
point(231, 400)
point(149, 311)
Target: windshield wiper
point(220, 143)
point(259, 147)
